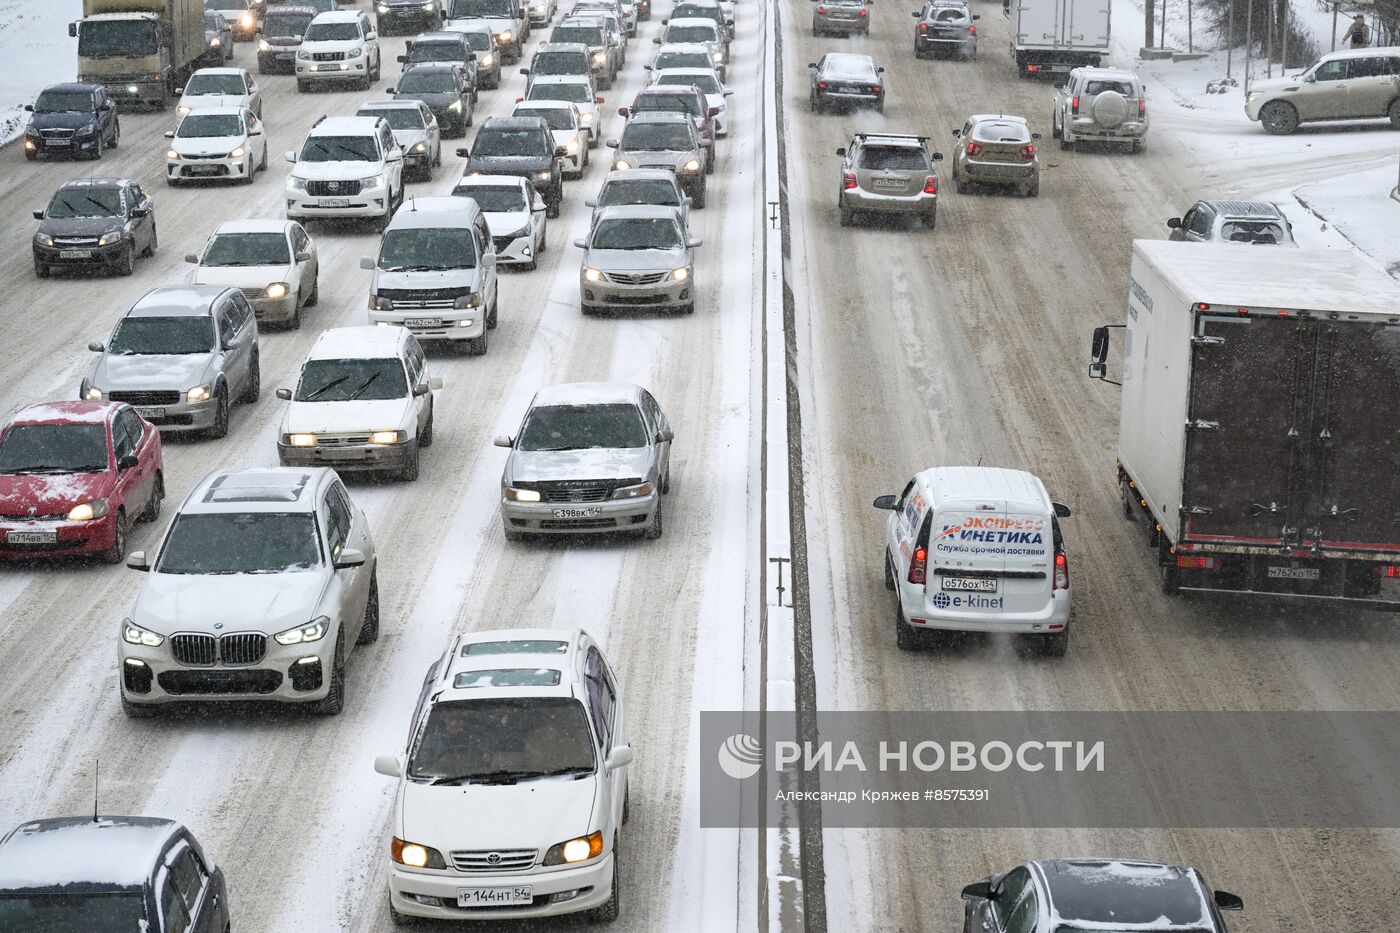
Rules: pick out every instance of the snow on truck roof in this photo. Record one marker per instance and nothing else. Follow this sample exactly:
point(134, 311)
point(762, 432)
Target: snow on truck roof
point(1324, 280)
point(115, 851)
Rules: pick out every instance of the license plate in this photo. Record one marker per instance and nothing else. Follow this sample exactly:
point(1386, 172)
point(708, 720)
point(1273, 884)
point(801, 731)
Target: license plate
point(331, 67)
point(286, 56)
point(971, 584)
point(495, 897)
point(349, 453)
point(333, 202)
point(75, 254)
point(1294, 573)
point(149, 413)
point(889, 183)
point(423, 322)
point(577, 513)
point(204, 169)
point(58, 142)
point(32, 537)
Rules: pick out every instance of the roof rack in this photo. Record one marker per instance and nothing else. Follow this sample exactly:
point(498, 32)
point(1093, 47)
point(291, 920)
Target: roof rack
point(922, 139)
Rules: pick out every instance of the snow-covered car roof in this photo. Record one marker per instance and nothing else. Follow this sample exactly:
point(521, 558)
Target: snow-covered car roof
point(80, 851)
point(63, 412)
point(254, 225)
point(346, 126)
point(337, 16)
point(538, 652)
point(365, 341)
point(599, 393)
point(177, 301)
point(257, 489)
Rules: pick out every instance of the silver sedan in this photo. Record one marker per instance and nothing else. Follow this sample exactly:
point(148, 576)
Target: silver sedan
point(638, 257)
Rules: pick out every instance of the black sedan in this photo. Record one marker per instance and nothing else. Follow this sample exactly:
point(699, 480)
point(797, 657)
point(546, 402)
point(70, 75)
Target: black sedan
point(446, 89)
point(848, 80)
point(103, 222)
point(71, 119)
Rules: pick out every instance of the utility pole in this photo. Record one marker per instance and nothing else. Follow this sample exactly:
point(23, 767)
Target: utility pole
point(1248, 42)
point(1150, 15)
point(1230, 44)
point(1269, 44)
point(1283, 61)
point(1336, 5)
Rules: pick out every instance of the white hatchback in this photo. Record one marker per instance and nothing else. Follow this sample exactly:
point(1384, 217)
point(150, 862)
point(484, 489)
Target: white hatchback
point(220, 87)
point(577, 90)
point(515, 214)
point(512, 786)
point(977, 549)
point(216, 144)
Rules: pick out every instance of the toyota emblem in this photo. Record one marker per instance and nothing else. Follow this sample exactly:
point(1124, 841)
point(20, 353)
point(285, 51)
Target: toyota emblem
point(334, 186)
point(494, 858)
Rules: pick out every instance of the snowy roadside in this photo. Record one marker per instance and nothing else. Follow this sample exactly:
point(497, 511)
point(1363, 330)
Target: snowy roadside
point(1358, 206)
point(37, 52)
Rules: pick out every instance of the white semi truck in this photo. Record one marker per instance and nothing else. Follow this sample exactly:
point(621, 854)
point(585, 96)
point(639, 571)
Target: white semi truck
point(1050, 36)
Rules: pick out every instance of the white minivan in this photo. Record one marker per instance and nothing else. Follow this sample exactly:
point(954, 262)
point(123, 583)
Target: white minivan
point(977, 549)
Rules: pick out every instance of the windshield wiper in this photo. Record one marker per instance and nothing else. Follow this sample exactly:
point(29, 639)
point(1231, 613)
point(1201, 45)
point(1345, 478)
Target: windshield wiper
point(565, 447)
point(364, 385)
point(106, 211)
point(325, 388)
point(502, 776)
point(412, 268)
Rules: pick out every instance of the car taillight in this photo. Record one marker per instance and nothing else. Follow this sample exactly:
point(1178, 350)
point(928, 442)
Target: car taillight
point(821, 9)
point(864, 14)
point(848, 180)
point(1392, 571)
point(1061, 571)
point(1032, 67)
point(876, 89)
point(918, 565)
point(923, 27)
point(1199, 562)
point(972, 30)
point(1074, 104)
point(1028, 151)
point(974, 149)
point(1142, 107)
point(821, 85)
point(930, 185)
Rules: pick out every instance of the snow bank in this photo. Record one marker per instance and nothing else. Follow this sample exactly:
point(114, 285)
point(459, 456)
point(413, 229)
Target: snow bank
point(37, 52)
point(1359, 207)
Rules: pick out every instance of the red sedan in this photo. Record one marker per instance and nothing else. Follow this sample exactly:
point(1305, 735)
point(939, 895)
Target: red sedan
point(74, 476)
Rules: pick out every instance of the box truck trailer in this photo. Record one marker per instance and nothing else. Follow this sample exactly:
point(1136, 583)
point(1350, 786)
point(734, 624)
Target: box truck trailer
point(141, 50)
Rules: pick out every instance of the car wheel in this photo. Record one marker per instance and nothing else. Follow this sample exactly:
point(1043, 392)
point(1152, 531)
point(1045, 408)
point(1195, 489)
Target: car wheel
point(41, 270)
point(400, 920)
point(314, 297)
point(97, 153)
point(544, 237)
point(626, 805)
point(115, 553)
point(1033, 190)
point(847, 216)
point(612, 908)
point(1056, 644)
point(513, 536)
point(931, 218)
point(904, 635)
point(116, 134)
point(334, 700)
point(1055, 125)
point(889, 572)
point(152, 510)
point(425, 437)
point(1395, 114)
point(1279, 118)
point(151, 247)
point(220, 426)
point(1137, 146)
point(552, 210)
point(302, 86)
point(294, 322)
point(127, 266)
point(960, 186)
point(477, 346)
point(657, 526)
point(699, 198)
point(262, 166)
point(137, 710)
point(369, 629)
point(688, 308)
point(1066, 139)
point(412, 465)
point(492, 314)
point(253, 389)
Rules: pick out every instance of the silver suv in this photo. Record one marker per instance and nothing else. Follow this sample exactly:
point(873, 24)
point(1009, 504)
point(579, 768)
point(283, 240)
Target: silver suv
point(885, 173)
point(1257, 222)
point(1100, 105)
point(667, 140)
point(181, 356)
point(638, 257)
point(1354, 84)
point(590, 457)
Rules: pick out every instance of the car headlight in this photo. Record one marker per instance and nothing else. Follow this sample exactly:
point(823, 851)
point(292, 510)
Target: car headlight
point(134, 634)
point(464, 302)
point(1251, 98)
point(633, 492)
point(85, 130)
point(585, 118)
point(201, 393)
point(172, 155)
point(247, 20)
point(354, 53)
point(373, 181)
point(384, 8)
point(263, 45)
point(299, 440)
point(276, 290)
point(692, 166)
point(504, 37)
point(380, 304)
point(43, 239)
point(314, 630)
point(681, 274)
point(622, 164)
point(717, 56)
point(215, 42)
point(419, 147)
point(414, 855)
point(522, 495)
point(486, 60)
point(600, 58)
point(575, 850)
point(545, 175)
point(88, 511)
point(107, 239)
point(385, 438)
point(429, 7)
point(183, 109)
point(93, 394)
point(592, 274)
point(296, 183)
point(571, 147)
point(303, 55)
point(455, 106)
point(238, 153)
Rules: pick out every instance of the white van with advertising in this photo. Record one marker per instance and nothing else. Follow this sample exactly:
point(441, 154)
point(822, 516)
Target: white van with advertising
point(977, 549)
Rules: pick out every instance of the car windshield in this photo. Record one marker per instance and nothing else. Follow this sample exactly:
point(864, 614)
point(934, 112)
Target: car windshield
point(247, 249)
point(54, 448)
point(340, 149)
point(205, 125)
point(657, 136)
point(558, 118)
point(373, 380)
point(559, 63)
point(284, 24)
point(637, 233)
point(226, 4)
point(522, 143)
point(399, 118)
point(502, 741)
point(639, 191)
point(121, 912)
point(495, 198)
point(427, 249)
point(582, 427)
point(474, 9)
point(162, 336)
point(899, 158)
point(696, 33)
point(435, 52)
point(681, 60)
point(212, 21)
point(240, 542)
point(573, 93)
point(117, 38)
point(64, 102)
point(671, 103)
point(1251, 231)
point(86, 201)
point(428, 82)
point(588, 35)
point(480, 41)
point(707, 83)
point(332, 32)
point(202, 84)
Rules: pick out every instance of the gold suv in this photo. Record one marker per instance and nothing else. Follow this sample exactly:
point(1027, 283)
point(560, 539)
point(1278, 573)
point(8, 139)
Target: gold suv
point(1354, 84)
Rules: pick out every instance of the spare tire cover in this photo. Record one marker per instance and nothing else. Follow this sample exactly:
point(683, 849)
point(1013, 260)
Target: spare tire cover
point(1109, 109)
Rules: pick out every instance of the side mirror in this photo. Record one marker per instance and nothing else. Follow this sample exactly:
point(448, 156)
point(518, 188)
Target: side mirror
point(1061, 510)
point(977, 891)
point(179, 92)
point(729, 93)
point(656, 41)
point(1035, 136)
point(1310, 79)
point(503, 440)
point(169, 134)
point(388, 765)
point(403, 58)
point(255, 131)
point(976, 15)
point(624, 111)
point(581, 243)
point(371, 36)
point(666, 436)
point(97, 346)
point(29, 108)
point(880, 70)
point(957, 132)
point(290, 156)
point(1098, 352)
point(612, 143)
point(885, 502)
point(619, 757)
point(127, 461)
point(72, 30)
point(391, 90)
point(597, 100)
point(192, 258)
point(303, 257)
point(284, 394)
point(39, 215)
point(686, 202)
point(524, 71)
point(938, 157)
point(1224, 900)
point(350, 557)
point(136, 560)
point(695, 241)
point(420, 390)
point(366, 262)
point(705, 143)
point(464, 152)
point(1173, 223)
point(811, 64)
point(714, 111)
point(646, 68)
point(917, 14)
point(395, 156)
point(841, 151)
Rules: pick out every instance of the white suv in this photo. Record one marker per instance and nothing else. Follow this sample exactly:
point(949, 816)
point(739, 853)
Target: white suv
point(259, 589)
point(513, 783)
point(338, 47)
point(348, 167)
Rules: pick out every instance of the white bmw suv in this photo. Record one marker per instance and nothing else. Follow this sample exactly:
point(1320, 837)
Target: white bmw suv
point(513, 784)
point(348, 167)
point(261, 586)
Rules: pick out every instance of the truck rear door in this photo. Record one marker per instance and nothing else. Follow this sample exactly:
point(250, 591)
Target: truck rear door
point(1037, 21)
point(1084, 24)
